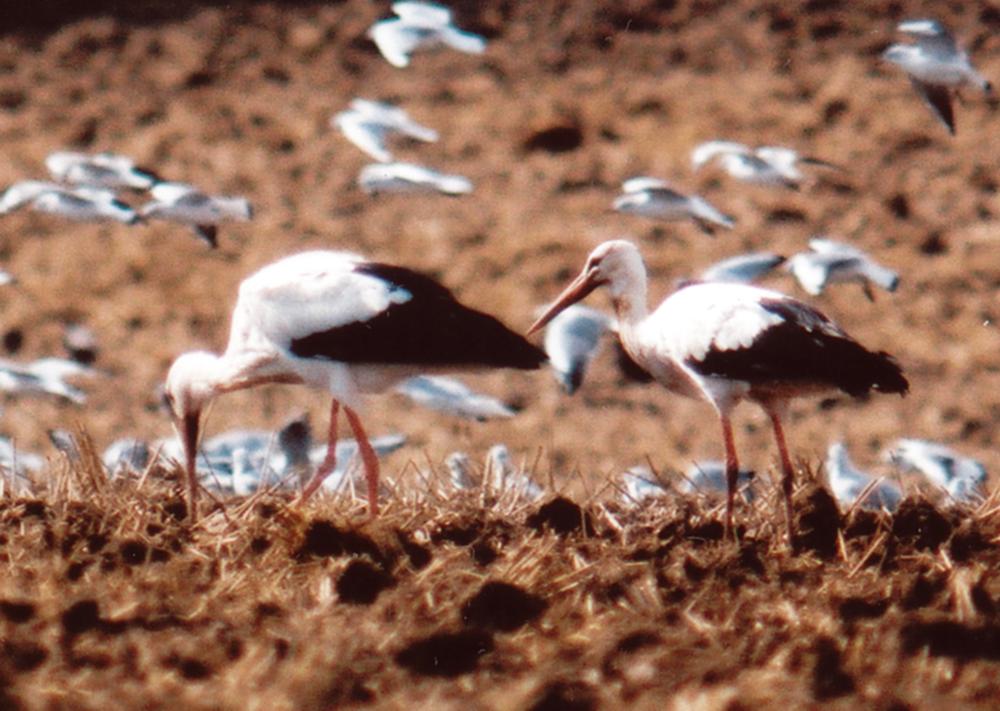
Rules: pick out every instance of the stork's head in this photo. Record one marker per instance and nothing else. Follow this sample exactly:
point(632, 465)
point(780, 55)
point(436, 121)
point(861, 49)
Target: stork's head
point(616, 264)
point(191, 385)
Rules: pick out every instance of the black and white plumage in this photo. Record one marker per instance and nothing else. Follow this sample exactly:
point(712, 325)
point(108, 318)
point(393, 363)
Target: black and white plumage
point(776, 166)
point(337, 322)
point(420, 26)
point(724, 343)
point(830, 261)
point(376, 178)
point(961, 477)
point(743, 268)
point(848, 483)
point(453, 397)
point(572, 340)
point(100, 170)
point(369, 125)
point(186, 204)
point(936, 66)
point(655, 199)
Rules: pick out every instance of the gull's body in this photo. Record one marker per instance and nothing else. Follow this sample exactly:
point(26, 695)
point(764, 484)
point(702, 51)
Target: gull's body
point(339, 323)
point(572, 340)
point(936, 66)
point(829, 261)
point(655, 199)
point(764, 165)
point(848, 483)
point(179, 202)
point(452, 397)
point(378, 178)
point(100, 170)
point(725, 343)
point(961, 477)
point(44, 376)
point(640, 483)
point(420, 26)
point(369, 125)
point(743, 268)
point(709, 476)
point(85, 204)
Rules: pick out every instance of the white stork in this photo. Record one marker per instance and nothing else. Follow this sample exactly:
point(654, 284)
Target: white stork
point(337, 322)
point(725, 343)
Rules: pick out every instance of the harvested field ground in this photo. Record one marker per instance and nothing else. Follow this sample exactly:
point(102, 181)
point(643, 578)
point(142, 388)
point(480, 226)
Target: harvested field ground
point(111, 599)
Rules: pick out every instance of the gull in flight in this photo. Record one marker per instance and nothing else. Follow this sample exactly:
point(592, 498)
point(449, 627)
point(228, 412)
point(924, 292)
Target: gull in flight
point(764, 165)
point(830, 261)
point(936, 66)
point(82, 204)
point(100, 170)
point(452, 397)
point(85, 204)
point(961, 477)
point(654, 198)
point(572, 339)
point(369, 124)
point(418, 26)
point(849, 483)
point(46, 376)
point(180, 202)
point(377, 178)
point(743, 268)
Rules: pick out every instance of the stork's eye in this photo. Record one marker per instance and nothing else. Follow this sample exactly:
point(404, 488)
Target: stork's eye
point(167, 401)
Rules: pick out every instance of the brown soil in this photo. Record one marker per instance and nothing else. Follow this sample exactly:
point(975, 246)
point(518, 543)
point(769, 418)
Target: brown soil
point(569, 100)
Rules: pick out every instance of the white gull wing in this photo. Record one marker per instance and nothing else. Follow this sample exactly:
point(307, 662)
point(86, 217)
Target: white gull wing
point(367, 135)
point(410, 178)
point(183, 203)
point(106, 170)
point(396, 40)
point(426, 14)
point(705, 152)
point(643, 182)
point(24, 192)
point(743, 268)
point(452, 397)
point(931, 34)
point(848, 483)
point(393, 117)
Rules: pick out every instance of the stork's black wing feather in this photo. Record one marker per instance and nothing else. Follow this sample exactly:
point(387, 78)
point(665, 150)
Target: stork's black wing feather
point(431, 328)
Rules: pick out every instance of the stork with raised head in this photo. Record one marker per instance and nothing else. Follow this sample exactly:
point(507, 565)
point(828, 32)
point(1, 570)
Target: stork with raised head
point(724, 343)
point(338, 322)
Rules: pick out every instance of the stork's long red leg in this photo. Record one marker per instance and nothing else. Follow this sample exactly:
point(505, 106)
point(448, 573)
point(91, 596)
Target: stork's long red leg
point(788, 473)
point(369, 458)
point(732, 470)
point(329, 461)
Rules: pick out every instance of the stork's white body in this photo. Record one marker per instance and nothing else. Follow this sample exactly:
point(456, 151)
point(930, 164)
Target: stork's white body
point(339, 323)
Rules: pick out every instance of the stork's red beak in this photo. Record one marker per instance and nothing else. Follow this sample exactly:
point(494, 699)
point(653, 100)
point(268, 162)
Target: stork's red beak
point(576, 291)
point(189, 435)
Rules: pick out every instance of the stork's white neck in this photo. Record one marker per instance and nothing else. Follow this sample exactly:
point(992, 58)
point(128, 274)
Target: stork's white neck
point(627, 288)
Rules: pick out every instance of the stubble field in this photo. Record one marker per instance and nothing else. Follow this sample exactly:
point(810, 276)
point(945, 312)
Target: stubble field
point(111, 598)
